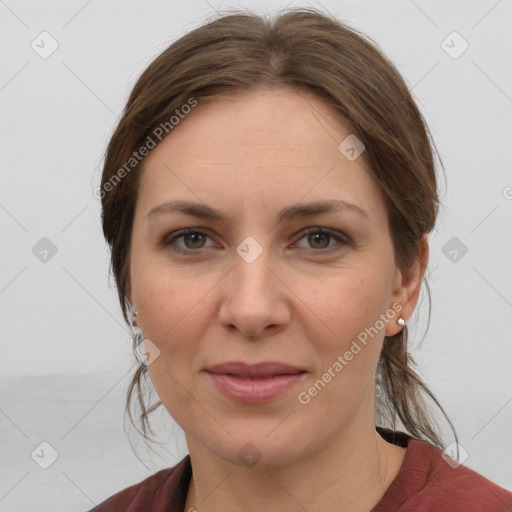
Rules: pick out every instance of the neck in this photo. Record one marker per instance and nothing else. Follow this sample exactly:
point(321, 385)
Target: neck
point(351, 473)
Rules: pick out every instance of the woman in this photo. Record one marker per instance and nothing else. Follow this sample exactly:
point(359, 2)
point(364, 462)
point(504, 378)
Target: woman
point(242, 146)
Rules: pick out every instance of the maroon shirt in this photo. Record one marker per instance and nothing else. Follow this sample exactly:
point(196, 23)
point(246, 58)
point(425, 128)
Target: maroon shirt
point(425, 483)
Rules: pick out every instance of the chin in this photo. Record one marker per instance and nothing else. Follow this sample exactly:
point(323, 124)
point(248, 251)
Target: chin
point(257, 451)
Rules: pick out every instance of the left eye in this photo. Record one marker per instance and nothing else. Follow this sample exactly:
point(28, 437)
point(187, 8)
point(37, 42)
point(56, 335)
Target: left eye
point(195, 239)
point(319, 236)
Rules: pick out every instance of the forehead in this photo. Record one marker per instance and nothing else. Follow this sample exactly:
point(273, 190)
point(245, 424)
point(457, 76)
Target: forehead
point(270, 147)
point(283, 122)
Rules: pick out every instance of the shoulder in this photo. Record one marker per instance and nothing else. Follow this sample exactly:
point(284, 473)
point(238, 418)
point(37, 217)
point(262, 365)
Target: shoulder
point(162, 491)
point(428, 481)
point(461, 487)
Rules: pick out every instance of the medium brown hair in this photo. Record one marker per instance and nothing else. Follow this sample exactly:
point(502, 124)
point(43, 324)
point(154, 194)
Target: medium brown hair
point(307, 50)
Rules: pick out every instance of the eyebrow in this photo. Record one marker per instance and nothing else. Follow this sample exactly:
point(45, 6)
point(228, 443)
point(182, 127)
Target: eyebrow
point(310, 209)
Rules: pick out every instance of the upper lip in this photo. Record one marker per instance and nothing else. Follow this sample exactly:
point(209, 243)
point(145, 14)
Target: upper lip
point(263, 369)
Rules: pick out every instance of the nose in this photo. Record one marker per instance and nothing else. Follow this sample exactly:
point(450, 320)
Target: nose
point(255, 299)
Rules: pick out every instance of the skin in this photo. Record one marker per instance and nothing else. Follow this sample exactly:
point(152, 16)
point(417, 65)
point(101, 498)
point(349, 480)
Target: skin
point(250, 155)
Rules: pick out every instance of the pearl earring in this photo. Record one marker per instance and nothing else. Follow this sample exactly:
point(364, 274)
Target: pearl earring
point(401, 321)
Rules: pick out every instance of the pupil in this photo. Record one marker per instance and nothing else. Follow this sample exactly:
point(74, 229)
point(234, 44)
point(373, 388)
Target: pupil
point(194, 236)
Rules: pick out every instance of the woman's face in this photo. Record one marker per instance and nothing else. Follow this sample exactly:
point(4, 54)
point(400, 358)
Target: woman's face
point(255, 286)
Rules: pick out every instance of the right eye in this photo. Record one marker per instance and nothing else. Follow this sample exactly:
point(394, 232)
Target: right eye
point(192, 238)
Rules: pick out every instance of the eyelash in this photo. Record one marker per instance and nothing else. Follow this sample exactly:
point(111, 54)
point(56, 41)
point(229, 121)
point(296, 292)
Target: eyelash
point(340, 238)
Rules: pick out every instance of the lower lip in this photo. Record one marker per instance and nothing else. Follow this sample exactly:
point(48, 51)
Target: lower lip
point(254, 391)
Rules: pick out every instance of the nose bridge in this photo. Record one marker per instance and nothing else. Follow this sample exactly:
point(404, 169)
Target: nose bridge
point(250, 303)
point(252, 264)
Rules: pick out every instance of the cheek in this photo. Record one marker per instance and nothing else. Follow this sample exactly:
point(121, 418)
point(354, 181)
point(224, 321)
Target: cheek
point(344, 305)
point(349, 308)
point(164, 298)
point(174, 319)
point(175, 312)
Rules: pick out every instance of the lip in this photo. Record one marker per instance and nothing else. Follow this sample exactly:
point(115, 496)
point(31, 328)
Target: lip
point(263, 369)
point(254, 383)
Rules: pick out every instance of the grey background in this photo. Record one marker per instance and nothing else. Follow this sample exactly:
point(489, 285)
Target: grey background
point(66, 354)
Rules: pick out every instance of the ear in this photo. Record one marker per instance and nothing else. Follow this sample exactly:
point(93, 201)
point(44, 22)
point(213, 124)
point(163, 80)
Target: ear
point(406, 288)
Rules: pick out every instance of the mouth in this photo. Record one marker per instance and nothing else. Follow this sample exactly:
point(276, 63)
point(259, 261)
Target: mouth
point(264, 377)
point(254, 383)
point(265, 369)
